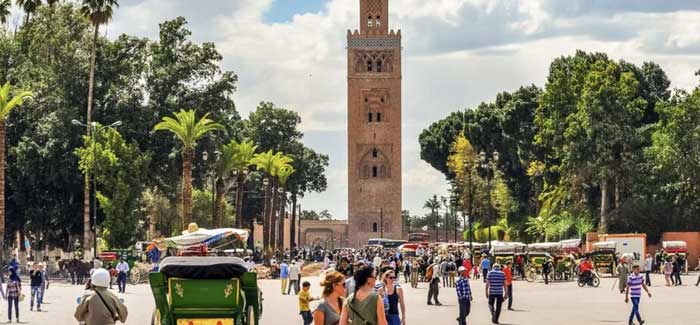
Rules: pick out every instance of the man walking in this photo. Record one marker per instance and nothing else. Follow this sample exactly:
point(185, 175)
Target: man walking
point(496, 292)
point(464, 295)
point(635, 283)
point(648, 265)
point(485, 266)
point(284, 275)
point(294, 273)
point(546, 269)
point(508, 271)
point(35, 277)
point(434, 288)
point(123, 269)
point(623, 273)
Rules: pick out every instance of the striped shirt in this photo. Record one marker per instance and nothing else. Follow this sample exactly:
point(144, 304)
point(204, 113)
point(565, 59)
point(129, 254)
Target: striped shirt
point(496, 281)
point(635, 281)
point(464, 291)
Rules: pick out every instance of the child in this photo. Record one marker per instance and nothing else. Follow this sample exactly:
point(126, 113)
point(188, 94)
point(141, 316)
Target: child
point(304, 299)
point(635, 283)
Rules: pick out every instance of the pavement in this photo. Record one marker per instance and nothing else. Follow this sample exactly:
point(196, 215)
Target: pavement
point(534, 303)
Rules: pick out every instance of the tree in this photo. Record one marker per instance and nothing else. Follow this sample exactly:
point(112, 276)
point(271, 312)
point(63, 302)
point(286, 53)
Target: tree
point(5, 6)
point(270, 163)
point(29, 7)
point(283, 174)
point(8, 102)
point(310, 176)
point(98, 12)
point(188, 129)
point(242, 160)
point(433, 204)
point(540, 226)
point(120, 171)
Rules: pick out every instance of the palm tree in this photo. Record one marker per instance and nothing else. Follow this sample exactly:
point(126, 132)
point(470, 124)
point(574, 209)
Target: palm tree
point(7, 104)
point(269, 163)
point(283, 173)
point(223, 173)
point(540, 226)
point(433, 204)
point(5, 6)
point(29, 7)
point(188, 129)
point(99, 12)
point(244, 154)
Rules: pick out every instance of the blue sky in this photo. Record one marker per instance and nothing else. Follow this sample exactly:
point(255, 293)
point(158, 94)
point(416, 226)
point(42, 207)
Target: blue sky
point(456, 54)
point(283, 10)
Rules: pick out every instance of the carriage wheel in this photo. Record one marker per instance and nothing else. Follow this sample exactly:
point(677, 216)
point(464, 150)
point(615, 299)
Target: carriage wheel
point(250, 315)
point(558, 276)
point(596, 282)
point(530, 275)
point(135, 277)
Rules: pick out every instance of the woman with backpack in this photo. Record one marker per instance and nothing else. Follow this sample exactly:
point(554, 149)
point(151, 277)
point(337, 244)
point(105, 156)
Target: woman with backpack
point(363, 307)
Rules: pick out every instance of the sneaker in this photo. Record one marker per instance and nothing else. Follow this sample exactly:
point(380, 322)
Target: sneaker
point(38, 309)
point(430, 303)
point(438, 304)
point(31, 308)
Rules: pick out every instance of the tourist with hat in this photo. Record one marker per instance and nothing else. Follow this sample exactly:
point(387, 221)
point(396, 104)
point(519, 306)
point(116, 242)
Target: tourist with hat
point(464, 295)
point(99, 306)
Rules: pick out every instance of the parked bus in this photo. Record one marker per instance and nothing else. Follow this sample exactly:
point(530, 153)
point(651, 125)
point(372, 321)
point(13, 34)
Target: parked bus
point(386, 243)
point(418, 237)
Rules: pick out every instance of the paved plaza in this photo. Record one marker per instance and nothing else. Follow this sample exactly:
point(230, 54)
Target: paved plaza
point(535, 303)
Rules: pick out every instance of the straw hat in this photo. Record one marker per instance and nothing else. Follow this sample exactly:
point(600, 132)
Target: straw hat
point(192, 227)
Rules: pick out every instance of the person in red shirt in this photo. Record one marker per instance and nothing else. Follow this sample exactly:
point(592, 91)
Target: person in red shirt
point(508, 270)
point(467, 266)
point(585, 267)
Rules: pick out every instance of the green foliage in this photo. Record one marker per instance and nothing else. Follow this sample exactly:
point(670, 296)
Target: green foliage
point(187, 128)
point(313, 215)
point(120, 171)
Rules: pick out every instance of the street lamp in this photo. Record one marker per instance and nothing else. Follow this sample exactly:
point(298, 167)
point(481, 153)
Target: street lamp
point(95, 128)
point(490, 168)
point(444, 203)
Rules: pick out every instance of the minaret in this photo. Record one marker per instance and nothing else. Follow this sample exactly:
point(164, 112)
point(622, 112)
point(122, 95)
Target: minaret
point(374, 127)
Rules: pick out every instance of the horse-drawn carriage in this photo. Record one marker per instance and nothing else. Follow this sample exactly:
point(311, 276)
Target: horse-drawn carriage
point(195, 289)
point(537, 255)
point(604, 257)
point(504, 252)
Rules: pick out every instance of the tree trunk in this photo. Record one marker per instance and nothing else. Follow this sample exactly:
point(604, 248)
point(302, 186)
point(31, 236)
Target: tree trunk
point(280, 225)
point(603, 225)
point(239, 200)
point(86, 195)
point(617, 192)
point(187, 154)
point(292, 223)
point(2, 187)
point(266, 221)
point(273, 218)
point(219, 206)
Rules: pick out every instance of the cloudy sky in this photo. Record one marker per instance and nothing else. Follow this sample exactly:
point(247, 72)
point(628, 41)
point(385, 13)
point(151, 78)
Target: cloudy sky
point(457, 53)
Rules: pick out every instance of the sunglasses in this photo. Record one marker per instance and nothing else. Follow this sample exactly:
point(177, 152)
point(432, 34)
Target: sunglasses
point(391, 277)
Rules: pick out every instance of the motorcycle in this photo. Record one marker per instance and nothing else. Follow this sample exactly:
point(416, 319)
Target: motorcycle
point(591, 280)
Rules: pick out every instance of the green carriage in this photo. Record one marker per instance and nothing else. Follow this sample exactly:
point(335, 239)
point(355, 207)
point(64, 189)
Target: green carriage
point(205, 290)
point(604, 257)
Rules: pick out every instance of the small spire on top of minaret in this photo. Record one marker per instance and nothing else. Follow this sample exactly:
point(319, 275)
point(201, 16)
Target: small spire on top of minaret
point(374, 17)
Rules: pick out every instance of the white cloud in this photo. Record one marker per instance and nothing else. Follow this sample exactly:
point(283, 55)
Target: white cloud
point(457, 53)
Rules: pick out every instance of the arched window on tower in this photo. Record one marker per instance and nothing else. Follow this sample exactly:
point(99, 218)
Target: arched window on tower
point(379, 117)
point(375, 171)
point(369, 65)
point(369, 21)
point(379, 65)
point(375, 153)
point(369, 117)
point(378, 21)
point(374, 227)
